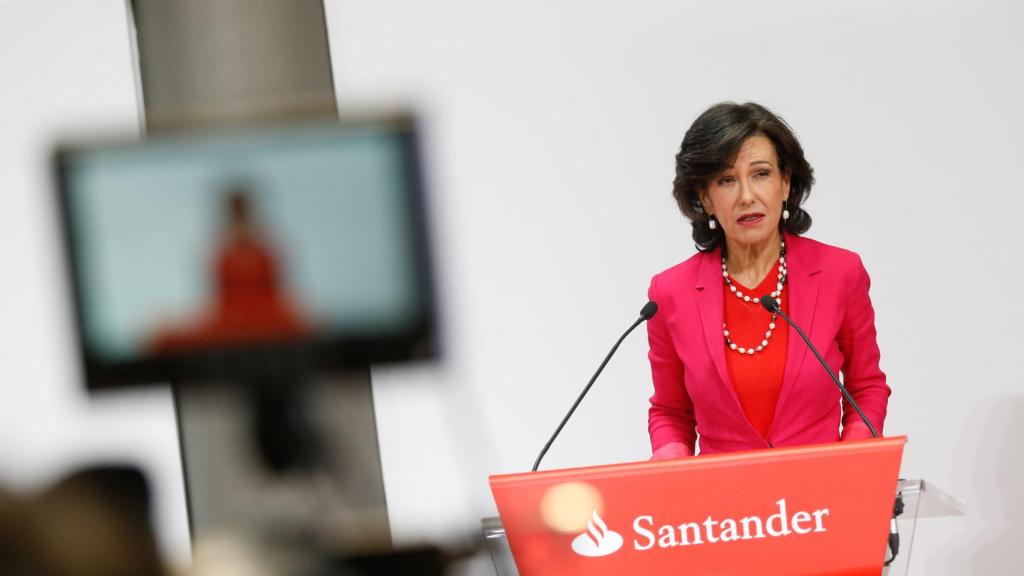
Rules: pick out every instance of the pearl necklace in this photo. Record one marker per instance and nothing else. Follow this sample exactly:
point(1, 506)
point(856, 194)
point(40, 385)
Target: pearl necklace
point(756, 300)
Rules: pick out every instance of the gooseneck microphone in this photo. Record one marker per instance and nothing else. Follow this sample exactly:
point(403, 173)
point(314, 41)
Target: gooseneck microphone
point(771, 305)
point(646, 313)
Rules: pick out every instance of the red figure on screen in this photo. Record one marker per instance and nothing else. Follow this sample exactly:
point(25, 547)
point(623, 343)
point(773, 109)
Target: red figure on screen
point(249, 303)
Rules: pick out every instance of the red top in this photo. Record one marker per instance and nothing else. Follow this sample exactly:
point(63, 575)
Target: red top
point(756, 377)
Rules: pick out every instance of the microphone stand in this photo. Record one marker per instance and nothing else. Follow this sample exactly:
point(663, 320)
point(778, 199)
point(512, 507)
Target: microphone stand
point(646, 313)
point(771, 305)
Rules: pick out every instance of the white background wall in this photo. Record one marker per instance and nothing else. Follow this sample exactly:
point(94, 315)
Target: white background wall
point(65, 70)
point(553, 127)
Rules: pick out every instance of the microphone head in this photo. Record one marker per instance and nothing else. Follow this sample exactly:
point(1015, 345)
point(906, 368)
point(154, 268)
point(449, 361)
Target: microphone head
point(649, 310)
point(769, 303)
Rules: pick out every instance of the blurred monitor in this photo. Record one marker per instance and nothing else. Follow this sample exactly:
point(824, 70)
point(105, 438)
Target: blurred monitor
point(238, 254)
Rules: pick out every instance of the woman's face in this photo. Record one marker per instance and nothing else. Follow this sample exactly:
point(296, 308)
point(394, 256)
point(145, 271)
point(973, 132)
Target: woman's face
point(746, 198)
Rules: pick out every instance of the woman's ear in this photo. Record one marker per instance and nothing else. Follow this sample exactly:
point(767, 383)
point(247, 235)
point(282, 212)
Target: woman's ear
point(785, 185)
point(705, 202)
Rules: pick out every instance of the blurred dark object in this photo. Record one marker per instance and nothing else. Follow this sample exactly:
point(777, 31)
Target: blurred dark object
point(14, 558)
point(424, 561)
point(285, 434)
point(94, 522)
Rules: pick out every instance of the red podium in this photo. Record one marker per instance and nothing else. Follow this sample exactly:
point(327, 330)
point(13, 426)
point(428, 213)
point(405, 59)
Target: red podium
point(822, 509)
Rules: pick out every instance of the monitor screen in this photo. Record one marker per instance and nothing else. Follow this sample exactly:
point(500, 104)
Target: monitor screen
point(220, 255)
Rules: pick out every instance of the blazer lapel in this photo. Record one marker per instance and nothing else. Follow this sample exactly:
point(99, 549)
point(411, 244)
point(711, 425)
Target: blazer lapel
point(802, 265)
point(711, 305)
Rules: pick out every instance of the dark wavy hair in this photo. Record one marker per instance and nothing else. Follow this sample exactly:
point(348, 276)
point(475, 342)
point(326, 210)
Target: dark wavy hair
point(710, 147)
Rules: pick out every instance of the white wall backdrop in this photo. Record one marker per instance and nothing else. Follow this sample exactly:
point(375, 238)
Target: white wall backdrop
point(553, 127)
point(65, 70)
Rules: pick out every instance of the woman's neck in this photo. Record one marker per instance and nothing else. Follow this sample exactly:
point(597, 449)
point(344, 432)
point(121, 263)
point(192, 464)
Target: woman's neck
point(750, 263)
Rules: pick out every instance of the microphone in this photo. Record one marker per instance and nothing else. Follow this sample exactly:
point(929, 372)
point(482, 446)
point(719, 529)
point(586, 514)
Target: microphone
point(646, 313)
point(771, 305)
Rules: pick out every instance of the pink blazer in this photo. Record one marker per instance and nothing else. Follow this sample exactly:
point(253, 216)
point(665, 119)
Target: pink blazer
point(694, 402)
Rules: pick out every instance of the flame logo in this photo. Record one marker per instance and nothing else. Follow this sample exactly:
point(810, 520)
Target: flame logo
point(598, 540)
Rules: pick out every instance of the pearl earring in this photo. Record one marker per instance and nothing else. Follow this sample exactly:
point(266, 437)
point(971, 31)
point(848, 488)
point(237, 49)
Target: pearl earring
point(785, 211)
point(711, 223)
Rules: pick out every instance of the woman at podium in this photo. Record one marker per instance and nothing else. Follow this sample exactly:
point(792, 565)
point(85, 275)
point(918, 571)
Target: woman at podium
point(727, 373)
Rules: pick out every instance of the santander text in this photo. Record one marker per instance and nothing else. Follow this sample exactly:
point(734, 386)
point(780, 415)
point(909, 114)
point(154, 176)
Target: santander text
point(711, 531)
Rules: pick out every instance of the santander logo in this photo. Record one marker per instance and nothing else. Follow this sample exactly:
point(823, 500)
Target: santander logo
point(598, 540)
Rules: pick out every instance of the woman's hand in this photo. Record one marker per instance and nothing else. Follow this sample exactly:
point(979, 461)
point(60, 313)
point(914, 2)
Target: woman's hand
point(672, 450)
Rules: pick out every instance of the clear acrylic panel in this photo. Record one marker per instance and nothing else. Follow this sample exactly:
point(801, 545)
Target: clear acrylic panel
point(920, 500)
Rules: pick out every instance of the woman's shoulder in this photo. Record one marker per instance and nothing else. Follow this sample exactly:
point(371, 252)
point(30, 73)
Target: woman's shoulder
point(840, 264)
point(816, 248)
point(686, 272)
